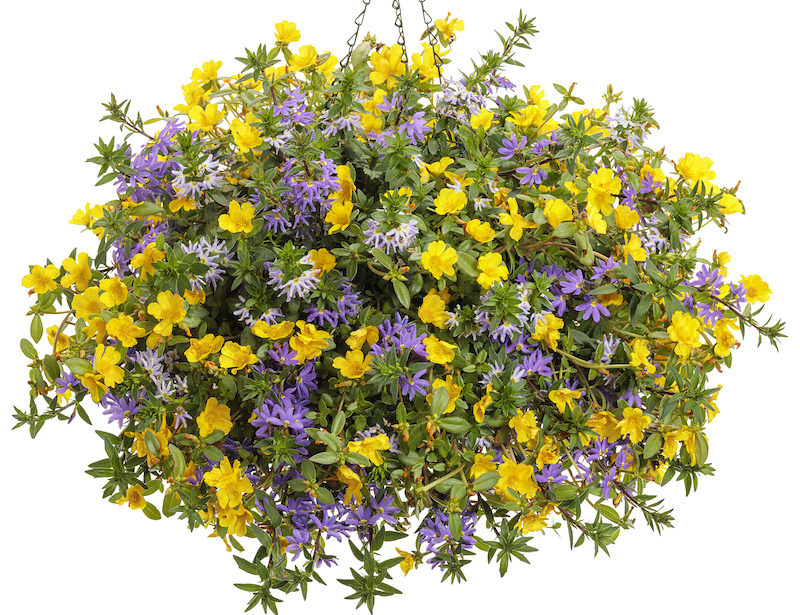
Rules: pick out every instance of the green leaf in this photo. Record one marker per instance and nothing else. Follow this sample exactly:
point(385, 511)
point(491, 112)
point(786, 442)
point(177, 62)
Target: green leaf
point(324, 496)
point(642, 308)
point(152, 443)
point(78, 367)
point(151, 512)
point(171, 500)
point(454, 521)
point(565, 229)
point(147, 209)
point(338, 423)
point(214, 454)
point(468, 264)
point(324, 458)
point(51, 368)
point(605, 289)
point(454, 424)
point(36, 328)
point(382, 258)
point(565, 492)
point(485, 481)
point(609, 513)
point(440, 401)
point(178, 461)
point(260, 535)
point(401, 291)
point(653, 445)
point(701, 449)
point(28, 350)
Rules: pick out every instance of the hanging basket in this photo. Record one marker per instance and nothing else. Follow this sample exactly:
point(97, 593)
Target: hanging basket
point(378, 305)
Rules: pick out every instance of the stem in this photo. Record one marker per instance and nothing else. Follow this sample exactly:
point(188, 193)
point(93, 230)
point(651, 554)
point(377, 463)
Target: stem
point(588, 365)
point(443, 478)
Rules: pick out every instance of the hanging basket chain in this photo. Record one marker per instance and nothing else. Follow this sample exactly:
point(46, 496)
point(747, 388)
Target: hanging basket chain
point(431, 39)
point(398, 21)
point(351, 42)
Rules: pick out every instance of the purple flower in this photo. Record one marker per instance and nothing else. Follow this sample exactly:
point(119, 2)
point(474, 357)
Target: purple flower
point(118, 409)
point(529, 177)
point(511, 147)
point(537, 363)
point(415, 128)
point(574, 283)
point(412, 385)
point(551, 474)
point(607, 481)
point(592, 308)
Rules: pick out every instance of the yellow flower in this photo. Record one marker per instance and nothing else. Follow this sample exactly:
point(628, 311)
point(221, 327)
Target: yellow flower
point(193, 95)
point(408, 561)
point(339, 216)
point(439, 259)
point(308, 343)
point(365, 334)
point(605, 425)
point(353, 482)
point(547, 329)
point(453, 392)
point(640, 356)
point(63, 339)
point(729, 204)
point(105, 364)
point(633, 247)
point(757, 289)
point(603, 185)
point(449, 28)
point(516, 476)
point(515, 221)
point(525, 426)
point(307, 56)
point(144, 260)
point(96, 329)
point(491, 269)
point(694, 168)
point(426, 63)
point(204, 119)
point(214, 416)
point(199, 349)
point(548, 453)
point(235, 520)
point(236, 357)
point(323, 260)
point(449, 201)
point(595, 219)
point(435, 168)
point(557, 211)
point(483, 118)
point(433, 311)
point(480, 231)
point(369, 447)
point(328, 66)
point(193, 297)
point(245, 136)
point(533, 522)
point(229, 482)
point(207, 73)
point(286, 32)
point(439, 352)
point(479, 407)
point(386, 64)
point(657, 175)
point(625, 217)
point(685, 330)
point(116, 292)
point(78, 272)
point(239, 218)
point(133, 496)
point(482, 465)
point(123, 329)
point(353, 365)
point(94, 384)
point(633, 424)
point(168, 310)
point(528, 116)
point(722, 259)
point(87, 303)
point(724, 338)
point(563, 397)
point(42, 279)
point(278, 331)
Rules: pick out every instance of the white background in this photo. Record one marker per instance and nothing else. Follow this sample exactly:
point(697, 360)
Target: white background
point(722, 78)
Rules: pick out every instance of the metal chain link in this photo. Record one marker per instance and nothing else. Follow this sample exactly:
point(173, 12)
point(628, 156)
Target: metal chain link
point(398, 21)
point(431, 39)
point(351, 42)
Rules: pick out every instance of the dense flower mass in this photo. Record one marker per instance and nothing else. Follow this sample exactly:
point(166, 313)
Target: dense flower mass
point(326, 302)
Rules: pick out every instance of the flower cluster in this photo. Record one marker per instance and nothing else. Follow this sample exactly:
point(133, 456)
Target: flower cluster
point(328, 302)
